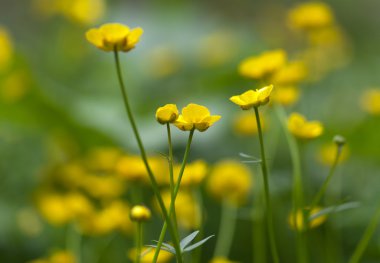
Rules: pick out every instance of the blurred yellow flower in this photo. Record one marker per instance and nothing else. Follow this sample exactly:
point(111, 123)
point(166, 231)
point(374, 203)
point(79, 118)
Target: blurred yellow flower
point(6, 49)
point(103, 186)
point(60, 256)
point(297, 222)
point(14, 87)
point(140, 213)
point(103, 158)
point(114, 36)
point(291, 74)
point(286, 95)
point(82, 11)
point(230, 180)
point(221, 260)
point(148, 253)
point(370, 101)
point(263, 65)
point(162, 61)
point(303, 129)
point(167, 114)
point(194, 173)
point(310, 15)
point(253, 98)
point(197, 117)
point(245, 124)
point(327, 153)
point(187, 209)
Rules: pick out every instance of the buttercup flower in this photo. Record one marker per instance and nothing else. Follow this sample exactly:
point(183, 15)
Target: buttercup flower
point(303, 129)
point(197, 117)
point(167, 114)
point(140, 213)
point(253, 98)
point(148, 253)
point(114, 36)
point(286, 95)
point(6, 48)
point(327, 153)
point(194, 173)
point(264, 65)
point(291, 74)
point(245, 124)
point(370, 101)
point(221, 260)
point(297, 222)
point(312, 15)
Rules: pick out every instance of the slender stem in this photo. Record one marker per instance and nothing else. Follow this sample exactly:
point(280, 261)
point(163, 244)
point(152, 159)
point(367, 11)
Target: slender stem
point(138, 242)
point(175, 192)
point(362, 245)
point(325, 184)
point(269, 215)
point(196, 255)
point(297, 185)
point(153, 181)
point(171, 172)
point(226, 230)
point(74, 241)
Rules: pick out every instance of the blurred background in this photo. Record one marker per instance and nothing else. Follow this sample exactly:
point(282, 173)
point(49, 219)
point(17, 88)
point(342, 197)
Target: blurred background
point(60, 107)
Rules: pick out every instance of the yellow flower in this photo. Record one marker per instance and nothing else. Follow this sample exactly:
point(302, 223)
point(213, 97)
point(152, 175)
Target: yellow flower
point(103, 158)
point(140, 213)
point(148, 253)
point(291, 74)
point(286, 95)
point(6, 49)
point(262, 66)
point(311, 15)
point(194, 173)
point(245, 124)
point(14, 87)
point(187, 209)
point(253, 98)
point(103, 187)
point(303, 129)
point(370, 101)
point(167, 114)
point(114, 36)
point(327, 153)
point(62, 257)
point(53, 208)
point(197, 117)
point(230, 180)
point(163, 61)
point(296, 222)
point(221, 260)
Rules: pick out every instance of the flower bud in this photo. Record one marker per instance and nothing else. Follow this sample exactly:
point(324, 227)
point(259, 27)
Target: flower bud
point(167, 114)
point(140, 213)
point(339, 140)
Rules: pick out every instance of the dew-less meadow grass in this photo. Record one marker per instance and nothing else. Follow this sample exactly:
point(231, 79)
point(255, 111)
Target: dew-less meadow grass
point(189, 131)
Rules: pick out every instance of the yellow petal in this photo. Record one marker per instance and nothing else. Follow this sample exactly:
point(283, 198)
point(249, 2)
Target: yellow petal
point(95, 37)
point(133, 38)
point(263, 94)
point(114, 33)
point(167, 113)
point(195, 113)
point(183, 125)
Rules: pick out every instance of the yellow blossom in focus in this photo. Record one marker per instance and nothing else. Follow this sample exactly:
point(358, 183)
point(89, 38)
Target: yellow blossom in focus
point(221, 260)
point(114, 36)
point(194, 173)
point(263, 65)
point(253, 98)
point(245, 124)
point(303, 129)
point(6, 49)
point(187, 209)
point(167, 114)
point(297, 222)
point(140, 213)
point(197, 117)
point(230, 180)
point(291, 74)
point(370, 101)
point(148, 253)
point(310, 15)
point(327, 153)
point(287, 95)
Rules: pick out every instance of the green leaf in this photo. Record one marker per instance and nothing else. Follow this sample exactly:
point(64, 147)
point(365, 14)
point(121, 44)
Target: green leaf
point(187, 240)
point(334, 209)
point(163, 248)
point(194, 246)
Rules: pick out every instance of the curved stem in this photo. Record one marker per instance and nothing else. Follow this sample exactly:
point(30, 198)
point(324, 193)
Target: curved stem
point(264, 169)
point(153, 181)
point(297, 185)
point(226, 230)
point(175, 192)
point(370, 230)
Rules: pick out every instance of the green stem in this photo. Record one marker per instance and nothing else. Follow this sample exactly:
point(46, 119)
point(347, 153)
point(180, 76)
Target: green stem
point(171, 175)
point(325, 184)
point(269, 216)
point(362, 245)
point(226, 230)
point(196, 255)
point(74, 241)
point(175, 192)
point(138, 242)
point(153, 181)
point(297, 185)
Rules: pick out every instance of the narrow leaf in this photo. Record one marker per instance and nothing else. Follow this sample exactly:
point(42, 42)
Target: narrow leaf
point(187, 240)
point(244, 155)
point(194, 246)
point(334, 209)
point(163, 248)
point(165, 245)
